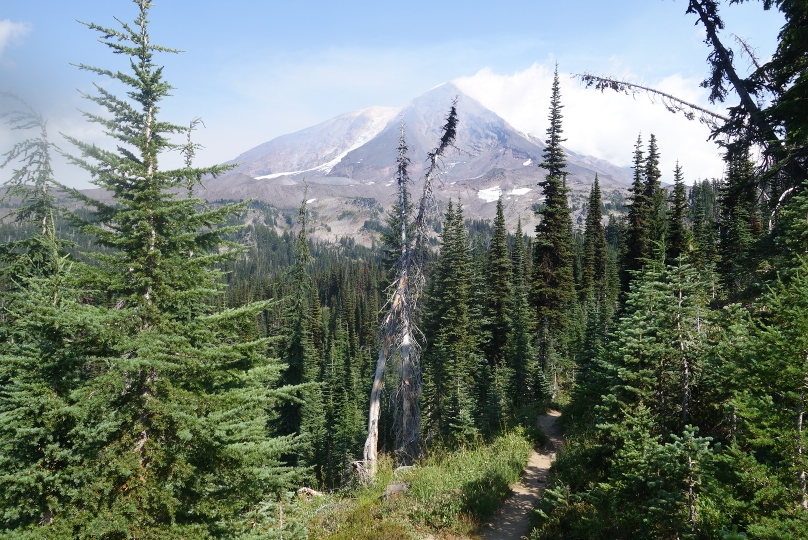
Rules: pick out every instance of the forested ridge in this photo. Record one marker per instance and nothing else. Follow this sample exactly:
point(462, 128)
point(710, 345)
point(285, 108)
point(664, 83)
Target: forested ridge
point(171, 368)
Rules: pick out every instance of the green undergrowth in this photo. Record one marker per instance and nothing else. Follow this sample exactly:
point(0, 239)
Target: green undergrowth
point(451, 493)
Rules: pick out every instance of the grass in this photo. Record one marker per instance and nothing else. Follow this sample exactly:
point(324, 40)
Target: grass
point(452, 493)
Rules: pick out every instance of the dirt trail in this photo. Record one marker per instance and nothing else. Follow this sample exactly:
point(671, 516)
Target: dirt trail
point(513, 520)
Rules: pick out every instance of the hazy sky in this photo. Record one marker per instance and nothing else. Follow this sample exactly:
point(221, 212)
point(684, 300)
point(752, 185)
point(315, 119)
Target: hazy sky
point(254, 70)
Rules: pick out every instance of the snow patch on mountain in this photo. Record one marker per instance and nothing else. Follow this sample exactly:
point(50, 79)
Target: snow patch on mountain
point(377, 124)
point(490, 194)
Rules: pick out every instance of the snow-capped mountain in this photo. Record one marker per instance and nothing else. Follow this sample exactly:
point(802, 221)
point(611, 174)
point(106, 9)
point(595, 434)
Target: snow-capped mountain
point(348, 163)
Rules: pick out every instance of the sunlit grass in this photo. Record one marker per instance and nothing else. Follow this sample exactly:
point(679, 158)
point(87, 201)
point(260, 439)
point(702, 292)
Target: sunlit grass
point(451, 493)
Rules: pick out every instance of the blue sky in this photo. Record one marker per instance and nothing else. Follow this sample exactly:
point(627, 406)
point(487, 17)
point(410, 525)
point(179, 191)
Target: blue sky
point(254, 70)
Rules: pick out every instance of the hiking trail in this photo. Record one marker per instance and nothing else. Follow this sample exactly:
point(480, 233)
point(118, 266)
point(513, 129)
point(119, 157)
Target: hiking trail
point(513, 519)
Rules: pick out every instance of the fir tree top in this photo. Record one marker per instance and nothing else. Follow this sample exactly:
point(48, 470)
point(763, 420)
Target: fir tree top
point(652, 172)
point(554, 162)
point(161, 243)
point(678, 235)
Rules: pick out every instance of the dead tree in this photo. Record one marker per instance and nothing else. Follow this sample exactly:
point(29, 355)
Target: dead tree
point(398, 327)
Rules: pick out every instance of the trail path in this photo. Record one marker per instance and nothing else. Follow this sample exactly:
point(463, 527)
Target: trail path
point(513, 520)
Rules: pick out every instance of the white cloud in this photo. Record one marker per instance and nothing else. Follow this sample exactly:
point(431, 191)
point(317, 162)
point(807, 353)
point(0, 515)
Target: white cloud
point(604, 125)
point(11, 32)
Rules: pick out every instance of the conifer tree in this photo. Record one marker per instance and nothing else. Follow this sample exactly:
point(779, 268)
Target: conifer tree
point(654, 197)
point(703, 211)
point(739, 224)
point(452, 359)
point(648, 459)
point(343, 417)
point(297, 341)
point(393, 235)
point(770, 375)
point(656, 349)
point(48, 338)
point(678, 242)
point(43, 330)
point(637, 245)
point(170, 427)
point(528, 381)
point(498, 291)
point(595, 255)
point(33, 182)
point(554, 248)
point(303, 416)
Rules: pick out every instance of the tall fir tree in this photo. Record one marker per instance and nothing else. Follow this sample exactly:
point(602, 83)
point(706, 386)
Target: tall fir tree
point(392, 236)
point(655, 198)
point(771, 398)
point(33, 183)
point(343, 417)
point(302, 416)
point(678, 234)
point(498, 291)
point(529, 383)
point(170, 427)
point(595, 250)
point(554, 247)
point(44, 329)
point(636, 246)
point(452, 358)
point(740, 224)
point(704, 217)
point(656, 350)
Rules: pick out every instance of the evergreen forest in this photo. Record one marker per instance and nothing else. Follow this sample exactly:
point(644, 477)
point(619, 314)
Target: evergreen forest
point(174, 368)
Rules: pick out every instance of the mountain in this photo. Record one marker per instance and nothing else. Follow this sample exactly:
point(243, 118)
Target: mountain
point(348, 164)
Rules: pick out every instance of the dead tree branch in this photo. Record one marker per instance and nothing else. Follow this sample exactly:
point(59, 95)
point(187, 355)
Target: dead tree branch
point(672, 103)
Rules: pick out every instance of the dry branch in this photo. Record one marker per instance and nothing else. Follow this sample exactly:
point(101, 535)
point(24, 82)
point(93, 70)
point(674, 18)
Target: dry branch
point(690, 111)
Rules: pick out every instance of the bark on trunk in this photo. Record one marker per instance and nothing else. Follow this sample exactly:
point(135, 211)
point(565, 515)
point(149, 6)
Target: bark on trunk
point(410, 396)
point(685, 361)
point(372, 442)
point(800, 449)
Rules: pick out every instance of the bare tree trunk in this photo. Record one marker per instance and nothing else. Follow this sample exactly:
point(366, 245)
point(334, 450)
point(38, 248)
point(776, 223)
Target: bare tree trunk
point(555, 382)
point(372, 442)
point(800, 449)
point(686, 393)
point(409, 389)
point(691, 494)
point(409, 395)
